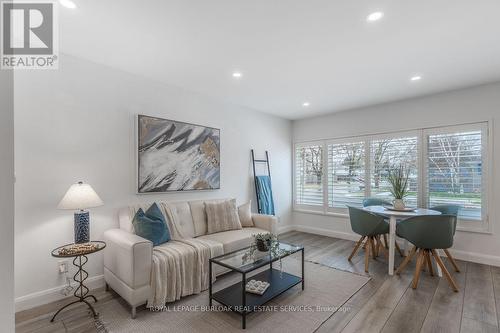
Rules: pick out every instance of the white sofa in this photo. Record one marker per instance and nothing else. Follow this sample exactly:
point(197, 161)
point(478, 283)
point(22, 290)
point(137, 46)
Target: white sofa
point(128, 257)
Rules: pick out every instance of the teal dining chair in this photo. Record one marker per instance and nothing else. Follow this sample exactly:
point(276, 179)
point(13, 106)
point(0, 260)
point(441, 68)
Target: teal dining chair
point(427, 234)
point(369, 226)
point(449, 210)
point(375, 202)
point(381, 202)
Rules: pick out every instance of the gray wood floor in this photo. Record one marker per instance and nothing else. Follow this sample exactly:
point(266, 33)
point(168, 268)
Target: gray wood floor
point(384, 304)
point(389, 304)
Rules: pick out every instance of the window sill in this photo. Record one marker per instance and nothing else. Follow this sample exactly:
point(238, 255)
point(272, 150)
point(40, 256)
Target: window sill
point(317, 212)
point(475, 231)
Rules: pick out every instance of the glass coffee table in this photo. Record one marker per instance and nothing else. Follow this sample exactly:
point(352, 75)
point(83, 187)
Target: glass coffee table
point(235, 297)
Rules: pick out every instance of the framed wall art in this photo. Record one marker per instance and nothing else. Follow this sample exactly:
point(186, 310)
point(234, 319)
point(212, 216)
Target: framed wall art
point(176, 156)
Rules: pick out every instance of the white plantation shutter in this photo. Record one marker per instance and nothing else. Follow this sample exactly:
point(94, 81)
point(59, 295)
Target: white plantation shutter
point(454, 170)
point(346, 174)
point(309, 175)
point(448, 165)
point(387, 153)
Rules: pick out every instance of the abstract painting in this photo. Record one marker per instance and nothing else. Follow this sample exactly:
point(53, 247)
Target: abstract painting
point(177, 156)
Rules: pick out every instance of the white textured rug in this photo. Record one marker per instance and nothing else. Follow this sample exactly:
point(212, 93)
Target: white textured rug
point(326, 290)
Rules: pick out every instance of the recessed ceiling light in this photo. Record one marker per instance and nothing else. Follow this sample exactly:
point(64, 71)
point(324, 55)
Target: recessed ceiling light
point(375, 16)
point(237, 75)
point(306, 104)
point(68, 4)
point(416, 78)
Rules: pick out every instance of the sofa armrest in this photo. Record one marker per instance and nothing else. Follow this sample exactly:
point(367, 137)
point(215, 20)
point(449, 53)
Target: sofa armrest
point(128, 256)
point(266, 222)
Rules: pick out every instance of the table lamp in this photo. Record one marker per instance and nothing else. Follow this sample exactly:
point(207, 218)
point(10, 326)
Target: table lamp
point(81, 196)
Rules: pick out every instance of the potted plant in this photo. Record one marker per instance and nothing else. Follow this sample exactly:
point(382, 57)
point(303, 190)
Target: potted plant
point(398, 178)
point(265, 242)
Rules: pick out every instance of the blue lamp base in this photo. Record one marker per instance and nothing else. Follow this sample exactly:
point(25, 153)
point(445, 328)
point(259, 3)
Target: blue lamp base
point(82, 227)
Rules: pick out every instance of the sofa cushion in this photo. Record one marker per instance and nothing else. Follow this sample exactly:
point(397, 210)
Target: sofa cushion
point(199, 217)
point(222, 216)
point(151, 225)
point(234, 239)
point(245, 214)
point(126, 215)
point(181, 213)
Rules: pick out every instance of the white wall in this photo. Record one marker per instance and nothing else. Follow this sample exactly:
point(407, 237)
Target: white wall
point(461, 106)
point(77, 123)
point(6, 201)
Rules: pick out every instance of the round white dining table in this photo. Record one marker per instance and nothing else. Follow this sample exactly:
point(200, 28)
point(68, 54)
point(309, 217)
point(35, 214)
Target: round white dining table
point(393, 217)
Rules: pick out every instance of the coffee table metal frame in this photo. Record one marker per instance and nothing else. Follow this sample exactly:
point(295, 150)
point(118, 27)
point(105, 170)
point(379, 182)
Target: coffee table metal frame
point(237, 299)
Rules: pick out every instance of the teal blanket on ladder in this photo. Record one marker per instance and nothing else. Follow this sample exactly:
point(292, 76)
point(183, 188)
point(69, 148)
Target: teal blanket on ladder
point(265, 195)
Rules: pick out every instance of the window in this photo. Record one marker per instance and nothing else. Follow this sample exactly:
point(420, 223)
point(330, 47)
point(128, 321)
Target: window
point(454, 170)
point(447, 165)
point(309, 175)
point(346, 174)
point(390, 152)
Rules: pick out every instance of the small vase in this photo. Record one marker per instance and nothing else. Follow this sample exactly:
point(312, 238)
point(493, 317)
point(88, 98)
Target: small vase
point(399, 204)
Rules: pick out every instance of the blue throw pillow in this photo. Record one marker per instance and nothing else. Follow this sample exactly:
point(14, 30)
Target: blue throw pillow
point(151, 225)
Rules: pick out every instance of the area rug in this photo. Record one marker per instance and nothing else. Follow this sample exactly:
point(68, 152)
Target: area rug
point(326, 291)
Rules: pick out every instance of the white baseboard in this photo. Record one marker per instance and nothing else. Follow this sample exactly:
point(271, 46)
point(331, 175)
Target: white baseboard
point(285, 228)
point(476, 257)
point(326, 232)
point(54, 294)
point(457, 254)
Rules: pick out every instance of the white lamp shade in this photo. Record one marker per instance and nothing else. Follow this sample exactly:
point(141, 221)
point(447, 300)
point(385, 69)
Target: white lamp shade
point(80, 196)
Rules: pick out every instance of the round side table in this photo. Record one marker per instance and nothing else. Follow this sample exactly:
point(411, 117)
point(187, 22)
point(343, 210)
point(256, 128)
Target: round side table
point(79, 254)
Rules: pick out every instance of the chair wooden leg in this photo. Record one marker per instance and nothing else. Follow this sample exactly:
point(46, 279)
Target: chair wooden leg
point(406, 260)
point(379, 242)
point(367, 253)
point(399, 250)
point(386, 243)
point(445, 271)
point(452, 261)
point(420, 260)
point(429, 262)
point(424, 264)
point(381, 247)
point(373, 249)
point(358, 244)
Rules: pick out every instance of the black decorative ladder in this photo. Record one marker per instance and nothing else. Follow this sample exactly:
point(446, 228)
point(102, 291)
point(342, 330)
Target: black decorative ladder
point(266, 161)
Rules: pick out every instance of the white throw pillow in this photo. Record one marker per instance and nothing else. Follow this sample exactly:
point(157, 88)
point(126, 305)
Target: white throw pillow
point(245, 214)
point(222, 216)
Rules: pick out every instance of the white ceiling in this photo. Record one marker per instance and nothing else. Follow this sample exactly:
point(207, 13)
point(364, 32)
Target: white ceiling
point(292, 51)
